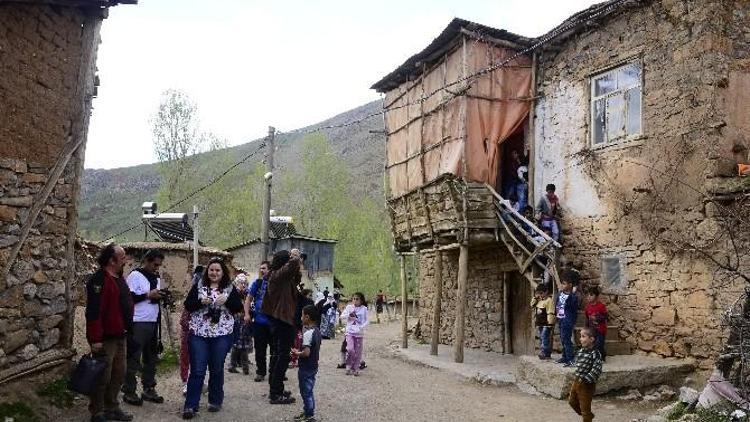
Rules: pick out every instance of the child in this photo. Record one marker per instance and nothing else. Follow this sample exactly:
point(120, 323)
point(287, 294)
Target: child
point(304, 298)
point(549, 211)
point(596, 318)
point(566, 312)
point(544, 319)
point(356, 320)
point(588, 369)
point(308, 362)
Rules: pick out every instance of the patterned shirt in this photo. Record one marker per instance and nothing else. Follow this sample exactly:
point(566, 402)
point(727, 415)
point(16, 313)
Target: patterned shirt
point(588, 365)
point(200, 321)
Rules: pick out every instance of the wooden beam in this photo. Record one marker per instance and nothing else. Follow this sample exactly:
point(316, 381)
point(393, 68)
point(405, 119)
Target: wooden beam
point(507, 347)
point(404, 307)
point(463, 275)
point(438, 303)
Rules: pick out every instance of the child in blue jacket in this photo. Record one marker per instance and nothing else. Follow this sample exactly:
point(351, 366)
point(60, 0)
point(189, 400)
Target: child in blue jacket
point(566, 312)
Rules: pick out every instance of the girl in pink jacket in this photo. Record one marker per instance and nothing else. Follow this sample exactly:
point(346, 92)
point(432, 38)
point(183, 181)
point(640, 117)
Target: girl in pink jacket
point(355, 315)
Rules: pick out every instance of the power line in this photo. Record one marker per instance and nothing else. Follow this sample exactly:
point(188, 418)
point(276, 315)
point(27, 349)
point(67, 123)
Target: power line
point(543, 41)
point(195, 192)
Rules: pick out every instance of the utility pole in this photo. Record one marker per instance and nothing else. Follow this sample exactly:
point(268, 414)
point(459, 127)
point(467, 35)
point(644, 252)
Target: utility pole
point(195, 237)
point(266, 221)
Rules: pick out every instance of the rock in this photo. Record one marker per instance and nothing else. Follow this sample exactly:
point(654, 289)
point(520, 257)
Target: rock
point(7, 213)
point(51, 290)
point(40, 277)
point(7, 240)
point(15, 340)
point(51, 322)
point(11, 297)
point(29, 290)
point(51, 339)
point(688, 395)
point(29, 352)
point(32, 308)
point(12, 164)
point(18, 201)
point(23, 270)
point(34, 178)
point(632, 394)
point(666, 392)
point(738, 415)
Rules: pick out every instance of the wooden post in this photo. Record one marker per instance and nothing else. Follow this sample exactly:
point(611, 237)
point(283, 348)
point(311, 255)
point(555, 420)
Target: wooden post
point(404, 311)
point(266, 220)
point(463, 275)
point(437, 303)
point(507, 347)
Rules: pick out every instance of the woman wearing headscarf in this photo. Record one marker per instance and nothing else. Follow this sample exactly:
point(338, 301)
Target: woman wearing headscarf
point(328, 316)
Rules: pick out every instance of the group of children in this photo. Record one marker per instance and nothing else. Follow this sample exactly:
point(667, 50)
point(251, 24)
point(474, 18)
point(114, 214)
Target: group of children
point(563, 310)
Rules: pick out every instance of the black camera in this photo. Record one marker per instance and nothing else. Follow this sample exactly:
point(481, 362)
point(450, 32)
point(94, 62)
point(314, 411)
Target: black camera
point(167, 300)
point(214, 314)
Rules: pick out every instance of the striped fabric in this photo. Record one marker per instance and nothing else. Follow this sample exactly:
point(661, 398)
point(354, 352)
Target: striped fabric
point(588, 365)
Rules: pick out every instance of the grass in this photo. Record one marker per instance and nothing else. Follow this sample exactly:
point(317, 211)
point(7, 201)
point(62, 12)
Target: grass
point(57, 393)
point(170, 360)
point(677, 412)
point(17, 412)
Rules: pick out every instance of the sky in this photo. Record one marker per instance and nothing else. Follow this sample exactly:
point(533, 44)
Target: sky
point(252, 64)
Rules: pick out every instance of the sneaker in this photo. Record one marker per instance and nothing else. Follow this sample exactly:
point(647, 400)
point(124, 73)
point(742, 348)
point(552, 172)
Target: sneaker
point(349, 372)
point(568, 364)
point(259, 378)
point(132, 399)
point(150, 394)
point(341, 366)
point(561, 360)
point(213, 408)
point(184, 389)
point(355, 373)
point(246, 370)
point(362, 365)
point(188, 414)
point(118, 415)
point(300, 417)
point(281, 400)
point(233, 370)
point(287, 393)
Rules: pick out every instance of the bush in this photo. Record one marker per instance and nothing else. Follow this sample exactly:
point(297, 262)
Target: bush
point(17, 411)
point(168, 361)
point(57, 393)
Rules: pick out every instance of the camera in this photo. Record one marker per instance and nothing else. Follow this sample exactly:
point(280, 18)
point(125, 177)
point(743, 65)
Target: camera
point(167, 300)
point(214, 314)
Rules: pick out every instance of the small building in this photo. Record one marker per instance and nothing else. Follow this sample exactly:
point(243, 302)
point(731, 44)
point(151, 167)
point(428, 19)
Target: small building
point(637, 111)
point(48, 53)
point(318, 271)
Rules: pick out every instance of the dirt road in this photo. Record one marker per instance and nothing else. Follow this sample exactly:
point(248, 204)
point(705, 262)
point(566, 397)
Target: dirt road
point(388, 390)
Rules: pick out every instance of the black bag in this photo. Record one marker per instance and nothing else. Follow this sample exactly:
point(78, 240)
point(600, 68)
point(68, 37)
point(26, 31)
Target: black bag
point(86, 376)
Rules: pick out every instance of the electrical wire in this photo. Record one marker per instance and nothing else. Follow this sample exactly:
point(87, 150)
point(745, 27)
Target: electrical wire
point(195, 192)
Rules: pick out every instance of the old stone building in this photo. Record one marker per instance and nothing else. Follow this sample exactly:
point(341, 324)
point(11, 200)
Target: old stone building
point(637, 112)
point(47, 80)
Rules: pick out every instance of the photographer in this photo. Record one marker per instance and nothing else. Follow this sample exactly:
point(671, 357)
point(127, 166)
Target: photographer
point(212, 303)
point(144, 284)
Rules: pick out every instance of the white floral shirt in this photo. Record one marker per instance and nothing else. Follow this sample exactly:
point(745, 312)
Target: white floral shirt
point(200, 321)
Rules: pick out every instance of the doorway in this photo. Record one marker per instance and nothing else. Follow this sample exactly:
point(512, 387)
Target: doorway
point(513, 155)
point(522, 337)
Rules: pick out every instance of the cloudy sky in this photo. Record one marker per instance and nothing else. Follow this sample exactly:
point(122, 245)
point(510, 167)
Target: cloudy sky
point(250, 64)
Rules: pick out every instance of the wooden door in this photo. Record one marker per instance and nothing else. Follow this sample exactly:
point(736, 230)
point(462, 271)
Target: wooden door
point(522, 337)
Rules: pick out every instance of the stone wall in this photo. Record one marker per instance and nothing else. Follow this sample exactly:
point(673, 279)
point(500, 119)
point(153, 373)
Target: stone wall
point(46, 82)
point(484, 312)
point(632, 200)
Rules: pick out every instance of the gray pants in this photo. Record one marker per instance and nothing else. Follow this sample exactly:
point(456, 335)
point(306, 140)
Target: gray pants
point(141, 356)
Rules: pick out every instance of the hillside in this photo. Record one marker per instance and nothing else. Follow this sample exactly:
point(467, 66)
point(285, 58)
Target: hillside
point(111, 199)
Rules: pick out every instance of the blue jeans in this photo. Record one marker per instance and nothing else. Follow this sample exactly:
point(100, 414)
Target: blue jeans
point(521, 191)
point(207, 352)
point(599, 344)
point(306, 385)
point(545, 343)
point(552, 225)
point(566, 338)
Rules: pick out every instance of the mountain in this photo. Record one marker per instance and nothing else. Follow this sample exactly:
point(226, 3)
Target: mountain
point(111, 199)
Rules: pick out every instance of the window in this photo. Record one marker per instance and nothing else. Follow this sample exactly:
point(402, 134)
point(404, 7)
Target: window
point(616, 105)
point(613, 274)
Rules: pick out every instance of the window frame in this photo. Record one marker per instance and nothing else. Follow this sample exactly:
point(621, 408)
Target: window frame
point(599, 74)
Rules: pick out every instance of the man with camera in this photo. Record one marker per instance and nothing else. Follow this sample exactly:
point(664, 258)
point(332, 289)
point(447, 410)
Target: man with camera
point(143, 341)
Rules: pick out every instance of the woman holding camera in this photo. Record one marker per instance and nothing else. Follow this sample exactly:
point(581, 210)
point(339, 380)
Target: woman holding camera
point(212, 302)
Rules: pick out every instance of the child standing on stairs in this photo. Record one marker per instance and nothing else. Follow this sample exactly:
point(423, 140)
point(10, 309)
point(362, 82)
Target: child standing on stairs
point(544, 319)
point(566, 312)
point(596, 318)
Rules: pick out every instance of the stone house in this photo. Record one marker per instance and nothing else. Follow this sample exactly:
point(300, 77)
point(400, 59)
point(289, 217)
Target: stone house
point(636, 112)
point(47, 80)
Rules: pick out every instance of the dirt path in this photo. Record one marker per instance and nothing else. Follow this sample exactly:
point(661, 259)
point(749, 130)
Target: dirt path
point(388, 390)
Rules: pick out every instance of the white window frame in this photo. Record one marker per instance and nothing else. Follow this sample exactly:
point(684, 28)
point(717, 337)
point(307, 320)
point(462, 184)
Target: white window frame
point(620, 91)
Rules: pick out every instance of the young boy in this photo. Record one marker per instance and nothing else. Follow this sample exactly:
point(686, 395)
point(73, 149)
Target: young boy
point(588, 369)
point(596, 318)
point(549, 211)
point(308, 362)
point(566, 312)
point(544, 319)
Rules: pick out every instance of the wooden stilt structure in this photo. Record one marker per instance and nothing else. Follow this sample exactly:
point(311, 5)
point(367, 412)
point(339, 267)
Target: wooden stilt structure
point(438, 303)
point(404, 307)
point(463, 275)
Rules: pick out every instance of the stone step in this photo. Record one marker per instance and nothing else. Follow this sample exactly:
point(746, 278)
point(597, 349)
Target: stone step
point(615, 348)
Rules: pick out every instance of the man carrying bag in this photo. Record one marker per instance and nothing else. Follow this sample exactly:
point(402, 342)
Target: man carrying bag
point(109, 315)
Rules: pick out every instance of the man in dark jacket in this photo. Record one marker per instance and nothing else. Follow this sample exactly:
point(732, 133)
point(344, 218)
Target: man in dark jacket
point(109, 315)
point(279, 305)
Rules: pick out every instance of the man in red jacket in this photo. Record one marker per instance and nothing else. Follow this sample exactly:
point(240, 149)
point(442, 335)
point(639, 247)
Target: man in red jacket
point(109, 315)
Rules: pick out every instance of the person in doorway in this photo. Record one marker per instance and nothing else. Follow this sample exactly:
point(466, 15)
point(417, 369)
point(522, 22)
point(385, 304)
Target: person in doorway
point(109, 315)
point(261, 324)
point(596, 318)
point(379, 301)
point(588, 370)
point(308, 356)
point(548, 209)
point(544, 319)
point(510, 174)
point(566, 312)
point(522, 187)
point(279, 304)
point(143, 340)
point(185, 333)
point(357, 320)
point(212, 303)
